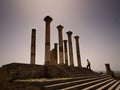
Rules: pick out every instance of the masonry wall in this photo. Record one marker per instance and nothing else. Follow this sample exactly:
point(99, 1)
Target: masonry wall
point(23, 71)
point(26, 71)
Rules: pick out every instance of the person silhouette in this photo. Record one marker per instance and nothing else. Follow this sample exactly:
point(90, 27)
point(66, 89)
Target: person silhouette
point(88, 64)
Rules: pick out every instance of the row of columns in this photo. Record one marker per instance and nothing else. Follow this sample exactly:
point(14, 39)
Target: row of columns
point(60, 39)
point(61, 42)
point(51, 56)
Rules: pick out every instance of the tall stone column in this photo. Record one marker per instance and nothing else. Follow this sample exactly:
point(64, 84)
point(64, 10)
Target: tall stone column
point(48, 20)
point(60, 37)
point(78, 51)
point(69, 33)
point(66, 52)
point(33, 46)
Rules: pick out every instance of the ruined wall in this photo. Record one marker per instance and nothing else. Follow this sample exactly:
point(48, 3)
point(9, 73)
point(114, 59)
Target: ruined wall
point(26, 71)
point(4, 76)
point(23, 71)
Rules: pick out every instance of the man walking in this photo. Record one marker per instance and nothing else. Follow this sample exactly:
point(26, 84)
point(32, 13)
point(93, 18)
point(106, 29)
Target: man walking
point(88, 64)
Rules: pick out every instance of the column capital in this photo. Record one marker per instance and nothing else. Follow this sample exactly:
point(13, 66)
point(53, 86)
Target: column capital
point(69, 33)
point(60, 27)
point(48, 19)
point(76, 37)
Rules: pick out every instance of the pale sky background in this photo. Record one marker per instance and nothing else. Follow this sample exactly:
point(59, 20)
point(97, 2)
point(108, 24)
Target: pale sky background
point(97, 22)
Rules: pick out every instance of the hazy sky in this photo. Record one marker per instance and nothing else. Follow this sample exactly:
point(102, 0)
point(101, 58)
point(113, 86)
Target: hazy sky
point(97, 22)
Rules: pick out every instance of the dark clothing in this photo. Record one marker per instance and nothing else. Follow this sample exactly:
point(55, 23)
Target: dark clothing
point(88, 65)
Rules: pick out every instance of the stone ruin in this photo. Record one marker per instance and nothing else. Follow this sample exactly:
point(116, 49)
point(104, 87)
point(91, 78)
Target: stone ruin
point(51, 68)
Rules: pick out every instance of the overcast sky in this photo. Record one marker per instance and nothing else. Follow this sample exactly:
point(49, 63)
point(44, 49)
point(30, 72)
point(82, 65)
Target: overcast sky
point(97, 22)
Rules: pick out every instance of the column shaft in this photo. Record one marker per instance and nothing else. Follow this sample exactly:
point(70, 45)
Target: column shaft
point(47, 40)
point(60, 37)
point(56, 54)
point(78, 51)
point(70, 48)
point(66, 52)
point(33, 46)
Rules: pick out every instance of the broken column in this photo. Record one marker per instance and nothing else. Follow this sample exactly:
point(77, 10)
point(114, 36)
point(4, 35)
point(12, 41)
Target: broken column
point(66, 52)
point(78, 51)
point(60, 37)
point(33, 46)
point(108, 70)
point(69, 33)
point(54, 55)
point(48, 20)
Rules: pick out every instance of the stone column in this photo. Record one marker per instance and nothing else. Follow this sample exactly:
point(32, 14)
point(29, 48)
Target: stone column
point(33, 46)
point(60, 37)
point(52, 56)
point(78, 51)
point(108, 70)
point(48, 20)
point(56, 53)
point(66, 52)
point(69, 33)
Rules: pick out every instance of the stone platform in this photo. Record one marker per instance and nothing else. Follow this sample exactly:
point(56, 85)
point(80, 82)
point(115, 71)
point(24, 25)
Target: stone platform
point(17, 76)
point(26, 71)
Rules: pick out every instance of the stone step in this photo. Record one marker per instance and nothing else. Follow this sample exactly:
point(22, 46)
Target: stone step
point(55, 80)
point(71, 83)
point(106, 86)
point(95, 86)
point(114, 86)
point(50, 82)
point(87, 84)
point(118, 87)
point(76, 75)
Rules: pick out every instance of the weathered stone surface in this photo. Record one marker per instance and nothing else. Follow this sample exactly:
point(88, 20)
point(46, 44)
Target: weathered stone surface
point(53, 55)
point(55, 72)
point(60, 39)
point(69, 33)
point(26, 71)
point(20, 86)
point(109, 71)
point(65, 52)
point(17, 70)
point(4, 75)
point(33, 46)
point(29, 71)
point(78, 51)
point(47, 20)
